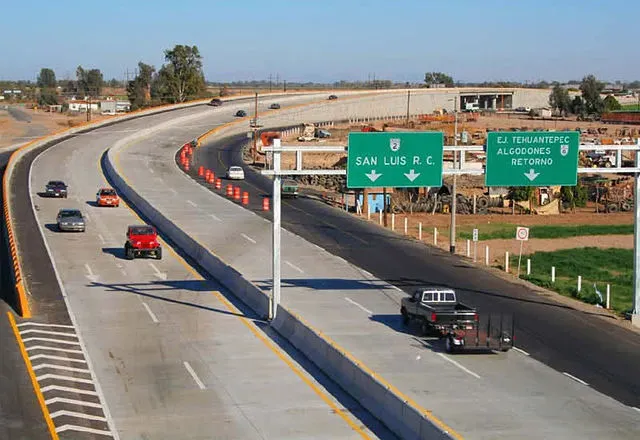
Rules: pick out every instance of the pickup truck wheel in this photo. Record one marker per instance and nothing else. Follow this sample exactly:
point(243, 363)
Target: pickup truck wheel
point(159, 254)
point(424, 328)
point(405, 316)
point(448, 344)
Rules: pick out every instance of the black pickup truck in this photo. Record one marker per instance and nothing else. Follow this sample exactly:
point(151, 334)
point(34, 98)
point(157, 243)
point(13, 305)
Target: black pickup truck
point(437, 308)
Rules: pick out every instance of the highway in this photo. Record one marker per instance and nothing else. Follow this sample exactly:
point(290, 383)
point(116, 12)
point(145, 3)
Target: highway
point(568, 340)
point(513, 395)
point(156, 337)
point(163, 352)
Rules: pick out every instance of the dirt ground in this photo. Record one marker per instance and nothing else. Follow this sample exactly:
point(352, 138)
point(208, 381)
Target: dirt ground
point(35, 123)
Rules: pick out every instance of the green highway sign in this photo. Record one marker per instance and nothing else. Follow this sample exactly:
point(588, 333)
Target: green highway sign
point(532, 158)
point(400, 160)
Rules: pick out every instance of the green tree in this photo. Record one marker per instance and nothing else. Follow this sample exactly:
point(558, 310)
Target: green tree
point(139, 90)
point(577, 106)
point(89, 82)
point(81, 81)
point(610, 103)
point(181, 78)
point(520, 194)
point(433, 78)
point(591, 89)
point(559, 99)
point(47, 78)
point(574, 195)
point(113, 83)
point(48, 96)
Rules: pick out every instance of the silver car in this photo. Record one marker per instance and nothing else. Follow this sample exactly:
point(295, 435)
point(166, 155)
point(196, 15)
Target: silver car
point(70, 220)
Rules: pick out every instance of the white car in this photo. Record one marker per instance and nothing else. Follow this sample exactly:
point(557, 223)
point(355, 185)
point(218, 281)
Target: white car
point(235, 173)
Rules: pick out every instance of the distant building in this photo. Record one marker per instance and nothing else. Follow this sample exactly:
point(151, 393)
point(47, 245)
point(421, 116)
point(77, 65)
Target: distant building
point(76, 105)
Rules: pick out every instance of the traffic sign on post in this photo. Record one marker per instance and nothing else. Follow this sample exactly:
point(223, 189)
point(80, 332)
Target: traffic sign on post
point(401, 160)
point(532, 158)
point(522, 233)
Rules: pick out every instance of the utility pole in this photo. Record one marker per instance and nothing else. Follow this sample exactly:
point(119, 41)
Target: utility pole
point(254, 151)
point(408, 102)
point(89, 108)
point(285, 86)
point(270, 82)
point(454, 190)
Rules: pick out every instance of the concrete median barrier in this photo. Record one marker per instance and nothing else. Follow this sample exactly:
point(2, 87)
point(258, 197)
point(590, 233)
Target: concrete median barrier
point(398, 412)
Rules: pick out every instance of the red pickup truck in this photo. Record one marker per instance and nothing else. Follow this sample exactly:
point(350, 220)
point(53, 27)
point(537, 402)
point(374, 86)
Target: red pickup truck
point(142, 241)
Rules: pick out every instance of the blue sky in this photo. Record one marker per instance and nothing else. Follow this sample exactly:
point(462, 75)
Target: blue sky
point(328, 40)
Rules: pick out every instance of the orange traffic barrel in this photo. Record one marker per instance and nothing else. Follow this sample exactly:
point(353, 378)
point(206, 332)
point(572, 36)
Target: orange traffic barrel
point(218, 183)
point(245, 198)
point(236, 193)
point(265, 203)
point(212, 176)
point(200, 171)
point(229, 190)
point(186, 166)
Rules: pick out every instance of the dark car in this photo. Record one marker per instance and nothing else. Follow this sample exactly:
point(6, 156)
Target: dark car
point(56, 188)
point(274, 106)
point(241, 113)
point(332, 97)
point(70, 220)
point(216, 102)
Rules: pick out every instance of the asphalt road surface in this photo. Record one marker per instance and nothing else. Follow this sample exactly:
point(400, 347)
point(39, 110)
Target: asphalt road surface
point(600, 353)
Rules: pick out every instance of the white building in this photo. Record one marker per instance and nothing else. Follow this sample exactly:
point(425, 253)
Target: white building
point(76, 105)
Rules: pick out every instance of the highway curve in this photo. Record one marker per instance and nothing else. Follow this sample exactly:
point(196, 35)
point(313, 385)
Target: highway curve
point(167, 353)
point(602, 354)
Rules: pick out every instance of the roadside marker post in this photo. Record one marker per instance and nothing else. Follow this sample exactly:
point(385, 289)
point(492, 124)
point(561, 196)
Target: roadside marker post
point(406, 225)
point(380, 221)
point(435, 236)
point(553, 274)
point(506, 261)
point(393, 222)
point(608, 296)
point(579, 283)
point(528, 266)
point(420, 231)
point(475, 241)
point(522, 235)
point(468, 248)
point(486, 255)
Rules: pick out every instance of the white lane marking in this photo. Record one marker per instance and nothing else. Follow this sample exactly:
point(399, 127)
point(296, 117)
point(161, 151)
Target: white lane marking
point(293, 266)
point(92, 277)
point(192, 203)
point(248, 238)
point(38, 324)
point(61, 367)
point(395, 287)
point(64, 428)
point(153, 316)
point(57, 341)
point(77, 414)
point(72, 402)
point(102, 239)
point(215, 217)
point(47, 332)
point(61, 377)
point(161, 275)
point(124, 272)
point(194, 375)
point(520, 350)
point(56, 358)
point(462, 367)
point(637, 409)
point(359, 305)
point(42, 347)
point(571, 376)
point(68, 389)
point(173, 191)
point(150, 170)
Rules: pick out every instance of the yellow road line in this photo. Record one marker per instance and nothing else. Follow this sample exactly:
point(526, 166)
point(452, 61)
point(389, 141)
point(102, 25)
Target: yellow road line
point(344, 414)
point(34, 381)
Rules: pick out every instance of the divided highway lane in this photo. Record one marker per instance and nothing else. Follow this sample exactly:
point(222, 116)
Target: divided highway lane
point(174, 358)
point(598, 352)
point(20, 414)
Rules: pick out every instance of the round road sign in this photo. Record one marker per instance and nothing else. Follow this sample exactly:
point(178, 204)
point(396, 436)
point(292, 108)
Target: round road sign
point(522, 233)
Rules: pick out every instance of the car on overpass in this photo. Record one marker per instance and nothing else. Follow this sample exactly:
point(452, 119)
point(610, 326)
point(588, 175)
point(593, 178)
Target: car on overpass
point(215, 102)
point(241, 114)
point(274, 106)
point(332, 97)
point(70, 220)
